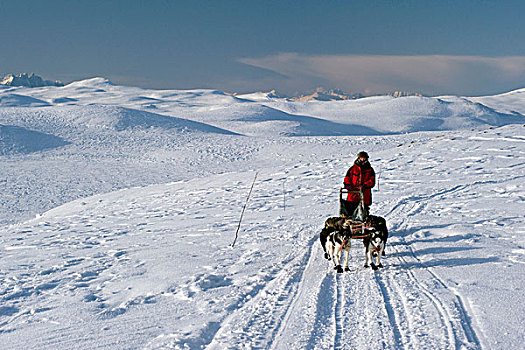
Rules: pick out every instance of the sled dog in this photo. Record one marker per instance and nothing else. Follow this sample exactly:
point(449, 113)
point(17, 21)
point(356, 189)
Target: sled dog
point(335, 223)
point(336, 237)
point(375, 241)
point(337, 234)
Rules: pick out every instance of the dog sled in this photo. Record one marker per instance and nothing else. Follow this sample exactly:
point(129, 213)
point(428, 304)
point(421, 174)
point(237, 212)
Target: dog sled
point(338, 232)
point(357, 218)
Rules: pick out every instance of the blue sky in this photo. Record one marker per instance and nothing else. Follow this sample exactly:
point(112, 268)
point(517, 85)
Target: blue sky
point(434, 47)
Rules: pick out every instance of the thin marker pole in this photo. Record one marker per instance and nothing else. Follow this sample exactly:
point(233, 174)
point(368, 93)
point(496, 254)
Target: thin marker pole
point(284, 198)
point(242, 212)
point(379, 177)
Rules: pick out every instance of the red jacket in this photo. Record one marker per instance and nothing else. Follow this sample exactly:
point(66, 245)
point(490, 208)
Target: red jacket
point(360, 175)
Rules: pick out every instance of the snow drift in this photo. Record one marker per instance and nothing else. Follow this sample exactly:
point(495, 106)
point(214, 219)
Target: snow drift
point(17, 100)
point(14, 139)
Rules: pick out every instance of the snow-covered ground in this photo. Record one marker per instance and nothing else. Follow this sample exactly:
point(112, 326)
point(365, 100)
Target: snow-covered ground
point(119, 206)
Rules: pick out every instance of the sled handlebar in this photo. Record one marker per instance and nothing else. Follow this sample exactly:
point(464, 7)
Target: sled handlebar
point(343, 190)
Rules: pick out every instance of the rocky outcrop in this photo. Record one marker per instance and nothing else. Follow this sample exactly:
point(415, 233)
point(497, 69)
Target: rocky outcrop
point(28, 80)
point(321, 94)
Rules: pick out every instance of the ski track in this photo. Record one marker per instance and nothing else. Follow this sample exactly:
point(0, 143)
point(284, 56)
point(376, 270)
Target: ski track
point(455, 325)
point(394, 318)
point(449, 305)
point(324, 324)
point(310, 284)
point(460, 332)
point(339, 312)
point(256, 324)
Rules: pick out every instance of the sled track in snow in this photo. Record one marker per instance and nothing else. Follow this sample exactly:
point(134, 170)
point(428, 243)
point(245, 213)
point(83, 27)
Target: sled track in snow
point(325, 302)
point(460, 331)
point(256, 325)
point(392, 318)
point(339, 312)
point(405, 305)
point(457, 325)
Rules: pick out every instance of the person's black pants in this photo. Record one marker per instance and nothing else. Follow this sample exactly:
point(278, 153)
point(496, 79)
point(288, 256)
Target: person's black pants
point(348, 208)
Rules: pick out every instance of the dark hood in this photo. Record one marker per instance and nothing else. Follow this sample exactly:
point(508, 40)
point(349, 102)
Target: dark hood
point(362, 165)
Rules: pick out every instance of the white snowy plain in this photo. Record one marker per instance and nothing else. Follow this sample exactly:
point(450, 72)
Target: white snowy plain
point(119, 206)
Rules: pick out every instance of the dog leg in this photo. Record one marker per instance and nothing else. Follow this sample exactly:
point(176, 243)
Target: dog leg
point(369, 257)
point(366, 256)
point(330, 250)
point(338, 256)
point(323, 237)
point(347, 256)
point(386, 239)
point(374, 266)
point(379, 257)
point(333, 256)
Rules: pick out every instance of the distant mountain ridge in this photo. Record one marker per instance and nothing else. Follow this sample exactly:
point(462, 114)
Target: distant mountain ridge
point(28, 80)
point(321, 94)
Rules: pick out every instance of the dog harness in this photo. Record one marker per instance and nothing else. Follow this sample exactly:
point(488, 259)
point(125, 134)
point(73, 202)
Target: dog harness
point(359, 226)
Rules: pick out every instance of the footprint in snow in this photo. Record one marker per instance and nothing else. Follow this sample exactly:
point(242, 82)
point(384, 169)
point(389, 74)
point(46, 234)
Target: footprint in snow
point(112, 312)
point(73, 262)
point(8, 310)
point(206, 282)
point(119, 254)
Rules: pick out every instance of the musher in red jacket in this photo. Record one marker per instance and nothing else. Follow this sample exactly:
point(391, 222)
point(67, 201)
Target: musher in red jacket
point(360, 176)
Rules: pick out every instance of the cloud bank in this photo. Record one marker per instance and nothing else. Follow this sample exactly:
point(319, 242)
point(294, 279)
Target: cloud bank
point(373, 74)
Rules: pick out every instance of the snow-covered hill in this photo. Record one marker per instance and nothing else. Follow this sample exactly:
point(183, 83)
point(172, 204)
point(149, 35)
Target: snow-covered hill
point(119, 206)
point(264, 116)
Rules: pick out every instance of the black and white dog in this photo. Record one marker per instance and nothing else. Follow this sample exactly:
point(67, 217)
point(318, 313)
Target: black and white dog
point(336, 237)
point(375, 241)
point(337, 234)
